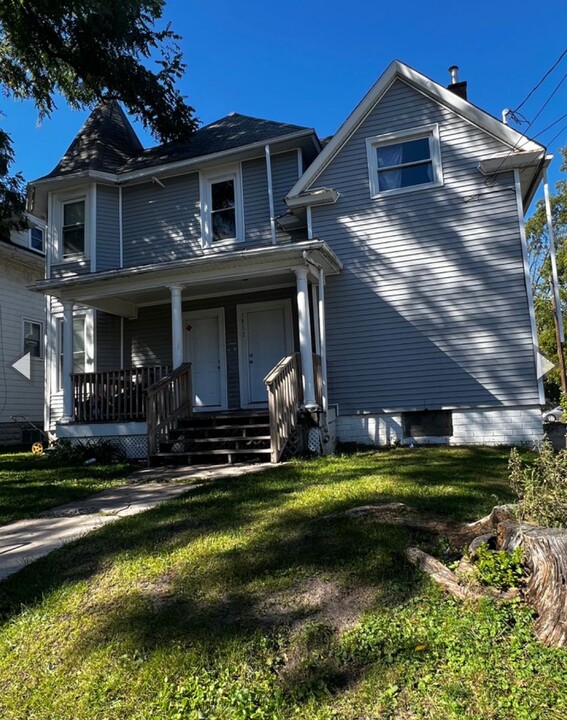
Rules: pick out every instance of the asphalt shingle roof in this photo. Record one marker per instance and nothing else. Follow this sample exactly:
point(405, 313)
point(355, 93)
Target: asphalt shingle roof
point(107, 142)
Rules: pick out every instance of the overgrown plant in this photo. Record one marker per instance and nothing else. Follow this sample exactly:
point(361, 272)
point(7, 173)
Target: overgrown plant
point(499, 568)
point(541, 486)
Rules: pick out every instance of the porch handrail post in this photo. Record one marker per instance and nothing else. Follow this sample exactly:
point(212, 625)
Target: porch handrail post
point(67, 370)
point(176, 326)
point(305, 347)
point(323, 337)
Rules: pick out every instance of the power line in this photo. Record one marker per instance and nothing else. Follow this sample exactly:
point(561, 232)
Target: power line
point(558, 134)
point(559, 119)
point(540, 83)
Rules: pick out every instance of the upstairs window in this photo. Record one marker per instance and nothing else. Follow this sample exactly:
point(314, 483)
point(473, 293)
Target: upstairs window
point(73, 229)
point(223, 210)
point(221, 207)
point(37, 239)
point(405, 161)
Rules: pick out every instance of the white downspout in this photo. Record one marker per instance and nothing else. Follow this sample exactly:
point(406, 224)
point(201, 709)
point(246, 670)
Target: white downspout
point(322, 327)
point(270, 193)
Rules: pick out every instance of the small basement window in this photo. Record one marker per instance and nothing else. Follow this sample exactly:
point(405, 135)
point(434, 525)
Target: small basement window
point(399, 162)
point(428, 423)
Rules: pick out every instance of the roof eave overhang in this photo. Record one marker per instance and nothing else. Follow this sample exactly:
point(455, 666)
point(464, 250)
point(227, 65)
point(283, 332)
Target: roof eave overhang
point(398, 70)
point(531, 165)
point(210, 267)
point(22, 255)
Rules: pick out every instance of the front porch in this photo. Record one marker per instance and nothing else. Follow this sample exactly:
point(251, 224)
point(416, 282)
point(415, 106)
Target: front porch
point(197, 338)
point(158, 419)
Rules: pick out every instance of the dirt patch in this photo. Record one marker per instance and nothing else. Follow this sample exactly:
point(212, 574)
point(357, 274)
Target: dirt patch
point(316, 600)
point(160, 593)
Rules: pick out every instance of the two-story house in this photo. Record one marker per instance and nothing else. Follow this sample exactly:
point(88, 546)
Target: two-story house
point(22, 331)
point(380, 281)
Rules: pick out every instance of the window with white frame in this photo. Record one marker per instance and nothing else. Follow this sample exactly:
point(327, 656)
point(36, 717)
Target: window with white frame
point(32, 338)
point(221, 207)
point(37, 239)
point(73, 228)
point(405, 161)
point(79, 347)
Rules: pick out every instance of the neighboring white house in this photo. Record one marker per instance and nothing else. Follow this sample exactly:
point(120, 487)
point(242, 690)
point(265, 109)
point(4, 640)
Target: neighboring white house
point(379, 281)
point(22, 331)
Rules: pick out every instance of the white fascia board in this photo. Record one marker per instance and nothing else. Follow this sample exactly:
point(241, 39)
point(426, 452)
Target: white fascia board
point(212, 265)
point(398, 70)
point(71, 178)
point(317, 196)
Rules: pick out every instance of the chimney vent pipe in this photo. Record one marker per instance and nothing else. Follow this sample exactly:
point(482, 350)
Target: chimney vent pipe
point(454, 73)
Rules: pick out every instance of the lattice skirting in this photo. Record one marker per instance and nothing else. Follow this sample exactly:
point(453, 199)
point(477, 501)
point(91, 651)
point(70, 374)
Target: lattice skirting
point(134, 447)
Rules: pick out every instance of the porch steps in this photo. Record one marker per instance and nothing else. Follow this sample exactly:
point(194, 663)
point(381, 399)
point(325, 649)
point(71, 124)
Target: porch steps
point(215, 438)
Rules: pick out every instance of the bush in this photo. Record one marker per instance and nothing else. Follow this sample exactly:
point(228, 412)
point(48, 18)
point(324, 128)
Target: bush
point(104, 452)
point(541, 486)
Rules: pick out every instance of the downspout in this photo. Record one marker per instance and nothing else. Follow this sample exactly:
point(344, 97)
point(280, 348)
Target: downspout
point(322, 326)
point(120, 228)
point(270, 193)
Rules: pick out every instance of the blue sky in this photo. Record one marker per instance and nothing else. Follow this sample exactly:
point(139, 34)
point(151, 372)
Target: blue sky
point(309, 63)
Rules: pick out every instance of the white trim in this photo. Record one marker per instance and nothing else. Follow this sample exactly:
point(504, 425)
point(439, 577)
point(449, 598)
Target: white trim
point(299, 162)
point(50, 239)
point(305, 344)
point(533, 326)
point(41, 228)
point(121, 342)
point(431, 132)
point(243, 349)
point(92, 227)
point(217, 313)
point(395, 70)
point(101, 429)
point(56, 223)
point(206, 180)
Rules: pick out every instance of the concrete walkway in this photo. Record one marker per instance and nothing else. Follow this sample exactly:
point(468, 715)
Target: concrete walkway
point(24, 541)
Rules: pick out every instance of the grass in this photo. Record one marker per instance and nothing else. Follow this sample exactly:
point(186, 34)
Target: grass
point(31, 483)
point(241, 601)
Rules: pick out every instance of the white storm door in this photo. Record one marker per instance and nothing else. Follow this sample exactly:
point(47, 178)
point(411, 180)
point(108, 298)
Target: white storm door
point(206, 351)
point(265, 337)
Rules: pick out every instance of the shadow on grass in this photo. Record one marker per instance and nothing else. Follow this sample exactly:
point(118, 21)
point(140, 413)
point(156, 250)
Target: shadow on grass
point(269, 546)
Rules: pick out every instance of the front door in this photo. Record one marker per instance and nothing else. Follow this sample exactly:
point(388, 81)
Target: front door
point(265, 337)
point(205, 350)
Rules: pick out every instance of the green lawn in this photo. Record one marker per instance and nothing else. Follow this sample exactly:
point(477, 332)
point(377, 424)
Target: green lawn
point(241, 602)
point(31, 483)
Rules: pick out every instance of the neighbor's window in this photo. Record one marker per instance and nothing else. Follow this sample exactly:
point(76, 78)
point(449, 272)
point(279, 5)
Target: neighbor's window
point(404, 161)
point(33, 338)
point(73, 230)
point(37, 239)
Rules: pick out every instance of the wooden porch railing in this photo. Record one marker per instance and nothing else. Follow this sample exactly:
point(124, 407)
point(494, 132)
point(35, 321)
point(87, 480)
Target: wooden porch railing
point(114, 396)
point(168, 400)
point(285, 395)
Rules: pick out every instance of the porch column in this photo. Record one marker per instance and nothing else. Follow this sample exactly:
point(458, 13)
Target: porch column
point(305, 338)
point(176, 326)
point(67, 370)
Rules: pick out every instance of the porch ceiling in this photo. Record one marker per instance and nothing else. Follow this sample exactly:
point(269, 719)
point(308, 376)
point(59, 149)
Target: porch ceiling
point(122, 291)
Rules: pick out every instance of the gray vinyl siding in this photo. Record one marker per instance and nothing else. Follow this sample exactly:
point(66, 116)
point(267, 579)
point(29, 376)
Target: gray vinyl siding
point(431, 309)
point(69, 268)
point(161, 223)
point(107, 342)
point(147, 340)
point(256, 201)
point(285, 173)
point(107, 228)
point(18, 395)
